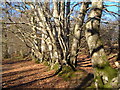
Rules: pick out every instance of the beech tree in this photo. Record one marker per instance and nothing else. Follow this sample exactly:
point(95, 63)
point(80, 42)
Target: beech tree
point(103, 77)
point(52, 40)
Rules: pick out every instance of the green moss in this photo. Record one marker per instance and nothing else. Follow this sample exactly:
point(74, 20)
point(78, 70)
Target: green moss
point(107, 86)
point(67, 76)
point(92, 85)
point(67, 73)
point(100, 84)
point(45, 63)
point(17, 58)
point(104, 57)
point(56, 66)
point(108, 71)
point(37, 61)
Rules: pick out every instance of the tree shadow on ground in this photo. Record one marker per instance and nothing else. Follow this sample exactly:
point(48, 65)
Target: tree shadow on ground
point(85, 62)
point(18, 72)
point(17, 61)
point(29, 83)
point(112, 57)
point(21, 77)
point(86, 81)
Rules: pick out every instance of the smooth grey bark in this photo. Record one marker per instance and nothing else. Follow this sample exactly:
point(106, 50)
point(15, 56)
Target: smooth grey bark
point(61, 44)
point(36, 54)
point(77, 33)
point(105, 75)
point(67, 24)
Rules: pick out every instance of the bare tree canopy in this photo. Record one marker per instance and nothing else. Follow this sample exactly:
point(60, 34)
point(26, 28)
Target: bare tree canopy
point(54, 31)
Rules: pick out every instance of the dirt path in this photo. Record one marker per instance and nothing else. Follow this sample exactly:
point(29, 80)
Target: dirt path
point(27, 74)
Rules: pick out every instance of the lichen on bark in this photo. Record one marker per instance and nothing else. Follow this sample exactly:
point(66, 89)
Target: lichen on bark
point(104, 74)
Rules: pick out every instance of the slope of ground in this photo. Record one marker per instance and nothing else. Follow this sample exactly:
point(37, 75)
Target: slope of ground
point(27, 74)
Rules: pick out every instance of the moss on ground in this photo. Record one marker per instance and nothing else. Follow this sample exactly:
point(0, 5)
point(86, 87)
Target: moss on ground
point(45, 63)
point(56, 66)
point(92, 86)
point(37, 61)
point(17, 58)
point(67, 73)
point(107, 71)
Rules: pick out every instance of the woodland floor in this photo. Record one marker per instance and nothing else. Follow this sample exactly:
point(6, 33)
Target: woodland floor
point(25, 73)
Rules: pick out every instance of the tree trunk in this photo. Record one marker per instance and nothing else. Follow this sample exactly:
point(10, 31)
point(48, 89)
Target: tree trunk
point(117, 63)
point(7, 55)
point(77, 33)
point(105, 75)
point(67, 30)
point(37, 56)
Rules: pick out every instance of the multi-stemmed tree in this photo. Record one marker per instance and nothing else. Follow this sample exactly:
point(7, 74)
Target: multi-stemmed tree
point(52, 39)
